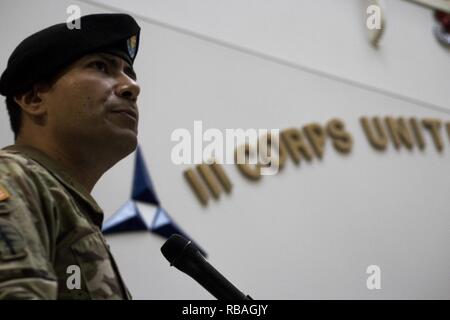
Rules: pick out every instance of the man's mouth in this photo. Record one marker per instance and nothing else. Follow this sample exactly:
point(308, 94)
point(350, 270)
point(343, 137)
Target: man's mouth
point(129, 113)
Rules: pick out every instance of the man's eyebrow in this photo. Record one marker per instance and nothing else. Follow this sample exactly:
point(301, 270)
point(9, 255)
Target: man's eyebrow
point(128, 69)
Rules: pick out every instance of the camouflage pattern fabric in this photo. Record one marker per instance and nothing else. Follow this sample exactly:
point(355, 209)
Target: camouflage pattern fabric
point(49, 224)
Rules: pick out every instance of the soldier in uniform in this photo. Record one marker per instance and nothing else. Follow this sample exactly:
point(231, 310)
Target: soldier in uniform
point(71, 96)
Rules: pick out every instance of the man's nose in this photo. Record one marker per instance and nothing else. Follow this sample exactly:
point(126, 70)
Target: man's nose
point(128, 88)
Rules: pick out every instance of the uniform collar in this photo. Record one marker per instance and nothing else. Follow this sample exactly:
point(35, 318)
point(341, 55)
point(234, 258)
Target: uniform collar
point(61, 174)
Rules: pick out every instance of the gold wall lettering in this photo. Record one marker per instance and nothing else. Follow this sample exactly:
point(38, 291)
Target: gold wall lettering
point(213, 176)
point(309, 142)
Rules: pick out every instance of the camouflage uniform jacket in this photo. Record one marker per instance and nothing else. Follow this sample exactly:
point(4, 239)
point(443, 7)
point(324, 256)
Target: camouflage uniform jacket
point(49, 225)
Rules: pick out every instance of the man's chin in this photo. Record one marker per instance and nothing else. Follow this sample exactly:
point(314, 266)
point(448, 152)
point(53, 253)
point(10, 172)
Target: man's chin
point(123, 143)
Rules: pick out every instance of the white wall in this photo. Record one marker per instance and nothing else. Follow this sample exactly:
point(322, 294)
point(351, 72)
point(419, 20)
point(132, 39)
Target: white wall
point(311, 231)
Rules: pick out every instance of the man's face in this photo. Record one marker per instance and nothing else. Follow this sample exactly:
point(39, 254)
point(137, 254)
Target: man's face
point(93, 104)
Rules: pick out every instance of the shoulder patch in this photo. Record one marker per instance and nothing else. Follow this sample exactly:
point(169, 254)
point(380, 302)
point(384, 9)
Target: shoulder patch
point(12, 243)
point(4, 194)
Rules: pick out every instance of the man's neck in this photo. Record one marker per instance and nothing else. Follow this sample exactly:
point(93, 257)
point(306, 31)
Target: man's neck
point(85, 169)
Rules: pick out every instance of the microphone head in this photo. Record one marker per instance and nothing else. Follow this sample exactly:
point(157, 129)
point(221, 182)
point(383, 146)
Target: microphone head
point(174, 247)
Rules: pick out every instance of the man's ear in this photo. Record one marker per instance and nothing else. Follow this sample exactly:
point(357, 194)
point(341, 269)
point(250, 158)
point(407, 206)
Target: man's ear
point(31, 102)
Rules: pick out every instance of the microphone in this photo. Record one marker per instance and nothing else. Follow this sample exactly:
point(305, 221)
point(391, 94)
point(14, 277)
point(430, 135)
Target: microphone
point(186, 257)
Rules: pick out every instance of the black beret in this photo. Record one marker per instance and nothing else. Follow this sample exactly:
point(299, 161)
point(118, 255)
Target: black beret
point(43, 54)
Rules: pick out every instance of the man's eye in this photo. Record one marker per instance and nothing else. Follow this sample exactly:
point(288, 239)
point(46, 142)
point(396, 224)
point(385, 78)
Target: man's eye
point(100, 65)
